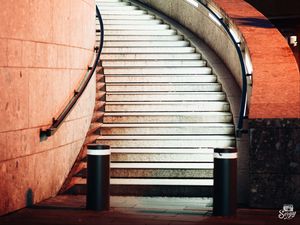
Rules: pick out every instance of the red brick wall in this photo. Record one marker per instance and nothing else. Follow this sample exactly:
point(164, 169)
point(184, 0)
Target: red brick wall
point(45, 47)
point(276, 80)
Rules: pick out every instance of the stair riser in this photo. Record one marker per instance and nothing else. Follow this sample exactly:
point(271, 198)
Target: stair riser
point(156, 27)
point(134, 50)
point(139, 32)
point(164, 131)
point(159, 71)
point(152, 88)
point(146, 44)
point(122, 12)
point(126, 17)
point(167, 119)
point(129, 22)
point(154, 63)
point(173, 173)
point(111, 4)
point(164, 97)
point(149, 56)
point(160, 79)
point(160, 173)
point(193, 107)
point(115, 7)
point(167, 143)
point(142, 38)
point(156, 157)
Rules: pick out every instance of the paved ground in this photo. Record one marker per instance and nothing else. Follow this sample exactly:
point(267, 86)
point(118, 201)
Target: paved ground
point(70, 210)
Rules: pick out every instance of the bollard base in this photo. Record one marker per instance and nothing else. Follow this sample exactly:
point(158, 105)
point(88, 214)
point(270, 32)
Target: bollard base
point(98, 175)
point(225, 182)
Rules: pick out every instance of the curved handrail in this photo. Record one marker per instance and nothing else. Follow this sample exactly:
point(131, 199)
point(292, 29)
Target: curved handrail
point(57, 122)
point(243, 104)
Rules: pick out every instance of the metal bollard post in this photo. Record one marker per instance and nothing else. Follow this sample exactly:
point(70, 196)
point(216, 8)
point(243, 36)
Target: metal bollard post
point(98, 174)
point(225, 176)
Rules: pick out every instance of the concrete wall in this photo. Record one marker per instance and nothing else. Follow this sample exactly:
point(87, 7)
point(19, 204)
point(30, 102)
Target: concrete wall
point(45, 47)
point(276, 80)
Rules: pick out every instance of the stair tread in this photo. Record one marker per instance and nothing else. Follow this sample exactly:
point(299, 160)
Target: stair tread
point(165, 103)
point(136, 181)
point(159, 165)
point(110, 125)
point(168, 93)
point(163, 113)
point(167, 137)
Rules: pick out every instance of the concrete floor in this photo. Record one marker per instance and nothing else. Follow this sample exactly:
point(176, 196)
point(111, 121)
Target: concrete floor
point(70, 210)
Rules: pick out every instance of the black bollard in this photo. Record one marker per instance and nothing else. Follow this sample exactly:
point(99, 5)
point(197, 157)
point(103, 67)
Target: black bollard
point(98, 175)
point(225, 182)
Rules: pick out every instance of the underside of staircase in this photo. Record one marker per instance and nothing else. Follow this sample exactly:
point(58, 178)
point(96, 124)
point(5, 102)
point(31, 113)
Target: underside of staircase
point(164, 111)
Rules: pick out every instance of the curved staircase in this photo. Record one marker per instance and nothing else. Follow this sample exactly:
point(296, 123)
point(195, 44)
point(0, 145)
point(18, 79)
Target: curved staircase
point(165, 110)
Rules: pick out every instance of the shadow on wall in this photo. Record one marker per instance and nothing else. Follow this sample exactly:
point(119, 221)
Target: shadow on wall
point(29, 198)
point(254, 22)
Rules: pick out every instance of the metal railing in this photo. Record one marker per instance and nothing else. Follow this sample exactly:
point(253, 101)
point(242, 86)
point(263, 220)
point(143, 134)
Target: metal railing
point(243, 105)
point(57, 122)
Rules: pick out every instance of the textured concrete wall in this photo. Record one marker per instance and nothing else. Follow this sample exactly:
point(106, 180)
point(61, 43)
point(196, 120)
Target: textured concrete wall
point(276, 80)
point(45, 47)
point(274, 163)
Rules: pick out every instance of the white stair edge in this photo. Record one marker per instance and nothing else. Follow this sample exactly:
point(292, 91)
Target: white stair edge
point(169, 165)
point(167, 137)
point(167, 125)
point(163, 151)
point(178, 182)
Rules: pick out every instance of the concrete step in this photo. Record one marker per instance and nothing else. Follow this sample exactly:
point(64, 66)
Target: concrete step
point(144, 50)
point(173, 141)
point(165, 96)
point(142, 38)
point(167, 117)
point(167, 129)
point(162, 157)
point(156, 173)
point(141, 56)
point(160, 78)
point(117, 7)
point(169, 151)
point(155, 27)
point(111, 4)
point(154, 63)
point(139, 32)
point(177, 182)
point(199, 106)
point(152, 87)
point(122, 12)
point(160, 182)
point(130, 22)
point(157, 70)
point(146, 44)
point(100, 2)
point(162, 173)
point(127, 17)
point(160, 165)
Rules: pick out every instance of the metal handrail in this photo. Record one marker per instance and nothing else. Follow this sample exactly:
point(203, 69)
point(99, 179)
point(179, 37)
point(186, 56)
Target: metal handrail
point(243, 105)
point(57, 122)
